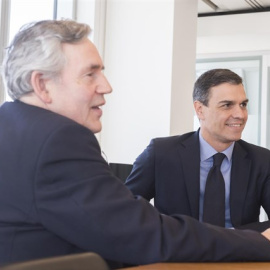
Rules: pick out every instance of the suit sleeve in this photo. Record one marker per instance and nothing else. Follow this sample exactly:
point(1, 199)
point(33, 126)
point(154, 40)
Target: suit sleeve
point(265, 202)
point(260, 175)
point(266, 192)
point(79, 200)
point(141, 180)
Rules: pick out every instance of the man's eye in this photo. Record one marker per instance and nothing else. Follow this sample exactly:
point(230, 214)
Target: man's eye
point(244, 105)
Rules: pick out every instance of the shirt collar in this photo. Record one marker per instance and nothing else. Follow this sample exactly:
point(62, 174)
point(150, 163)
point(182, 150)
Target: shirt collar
point(207, 151)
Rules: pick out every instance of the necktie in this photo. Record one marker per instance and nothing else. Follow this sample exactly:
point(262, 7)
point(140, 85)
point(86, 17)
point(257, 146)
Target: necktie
point(214, 195)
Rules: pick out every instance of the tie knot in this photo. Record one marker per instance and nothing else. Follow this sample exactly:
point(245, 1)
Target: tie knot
point(218, 158)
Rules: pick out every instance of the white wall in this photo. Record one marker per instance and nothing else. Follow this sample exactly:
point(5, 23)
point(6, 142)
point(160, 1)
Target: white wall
point(86, 11)
point(183, 66)
point(150, 65)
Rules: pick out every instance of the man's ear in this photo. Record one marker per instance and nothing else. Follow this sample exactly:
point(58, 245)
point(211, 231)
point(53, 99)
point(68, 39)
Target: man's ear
point(198, 106)
point(40, 87)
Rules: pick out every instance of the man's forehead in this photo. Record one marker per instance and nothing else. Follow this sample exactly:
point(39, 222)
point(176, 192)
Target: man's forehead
point(228, 92)
point(227, 89)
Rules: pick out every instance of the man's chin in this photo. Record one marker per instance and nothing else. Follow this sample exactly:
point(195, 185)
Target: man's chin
point(234, 139)
point(95, 128)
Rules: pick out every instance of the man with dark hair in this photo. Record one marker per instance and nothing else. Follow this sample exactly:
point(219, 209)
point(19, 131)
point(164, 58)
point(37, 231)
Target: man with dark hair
point(174, 170)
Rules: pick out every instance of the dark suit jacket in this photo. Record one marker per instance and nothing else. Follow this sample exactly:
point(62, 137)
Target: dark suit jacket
point(169, 171)
point(58, 196)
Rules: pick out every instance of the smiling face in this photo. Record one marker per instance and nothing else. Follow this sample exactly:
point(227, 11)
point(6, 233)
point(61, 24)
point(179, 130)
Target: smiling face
point(79, 92)
point(224, 119)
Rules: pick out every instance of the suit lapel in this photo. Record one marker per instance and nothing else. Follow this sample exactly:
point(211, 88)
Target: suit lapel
point(239, 182)
point(189, 153)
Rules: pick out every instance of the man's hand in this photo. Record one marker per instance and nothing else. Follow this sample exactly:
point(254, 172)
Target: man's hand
point(266, 234)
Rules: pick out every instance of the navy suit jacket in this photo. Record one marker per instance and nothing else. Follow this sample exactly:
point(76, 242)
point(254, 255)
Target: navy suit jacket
point(169, 171)
point(58, 196)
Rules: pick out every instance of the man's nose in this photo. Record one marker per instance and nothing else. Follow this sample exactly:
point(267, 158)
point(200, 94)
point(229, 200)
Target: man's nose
point(239, 112)
point(104, 86)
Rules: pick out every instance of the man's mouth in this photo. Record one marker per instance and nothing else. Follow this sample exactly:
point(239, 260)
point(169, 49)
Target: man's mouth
point(234, 125)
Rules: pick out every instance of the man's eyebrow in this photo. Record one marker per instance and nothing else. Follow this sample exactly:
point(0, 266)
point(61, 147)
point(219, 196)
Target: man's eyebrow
point(232, 102)
point(96, 67)
point(92, 68)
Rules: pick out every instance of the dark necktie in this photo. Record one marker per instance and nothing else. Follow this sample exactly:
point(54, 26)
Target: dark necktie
point(214, 195)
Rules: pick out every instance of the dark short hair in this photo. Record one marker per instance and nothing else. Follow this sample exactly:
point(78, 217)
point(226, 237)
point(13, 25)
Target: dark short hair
point(211, 78)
